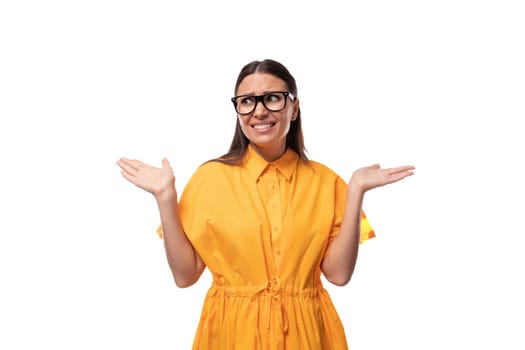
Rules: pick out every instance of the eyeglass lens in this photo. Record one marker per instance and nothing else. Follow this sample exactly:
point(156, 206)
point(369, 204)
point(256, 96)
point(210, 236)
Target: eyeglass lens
point(273, 101)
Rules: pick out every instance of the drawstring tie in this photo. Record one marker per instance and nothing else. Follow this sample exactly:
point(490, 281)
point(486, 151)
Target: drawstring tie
point(272, 301)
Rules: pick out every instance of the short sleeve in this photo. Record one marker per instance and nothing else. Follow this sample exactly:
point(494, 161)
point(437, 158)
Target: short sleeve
point(366, 229)
point(189, 206)
point(339, 208)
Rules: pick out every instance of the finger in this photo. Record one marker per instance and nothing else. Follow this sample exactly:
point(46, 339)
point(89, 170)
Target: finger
point(127, 167)
point(128, 163)
point(374, 166)
point(139, 164)
point(128, 176)
point(401, 169)
point(166, 163)
point(136, 163)
point(399, 176)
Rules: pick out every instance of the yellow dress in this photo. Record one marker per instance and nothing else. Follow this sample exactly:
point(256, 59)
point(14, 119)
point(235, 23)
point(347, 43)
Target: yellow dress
point(262, 229)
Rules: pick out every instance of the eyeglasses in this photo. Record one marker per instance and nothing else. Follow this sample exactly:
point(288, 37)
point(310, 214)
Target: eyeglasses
point(273, 101)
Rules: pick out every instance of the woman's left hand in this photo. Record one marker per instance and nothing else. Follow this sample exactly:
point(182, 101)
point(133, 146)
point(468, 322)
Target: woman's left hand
point(373, 176)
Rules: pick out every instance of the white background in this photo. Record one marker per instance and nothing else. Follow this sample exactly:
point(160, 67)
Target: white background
point(436, 84)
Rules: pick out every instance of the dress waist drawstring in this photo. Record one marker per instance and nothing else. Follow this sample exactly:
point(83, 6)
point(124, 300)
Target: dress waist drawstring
point(270, 299)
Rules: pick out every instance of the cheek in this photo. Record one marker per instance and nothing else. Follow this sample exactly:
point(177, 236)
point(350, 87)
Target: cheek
point(286, 128)
point(243, 126)
point(286, 125)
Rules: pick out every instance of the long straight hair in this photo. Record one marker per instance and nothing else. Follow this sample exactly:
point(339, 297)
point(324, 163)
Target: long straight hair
point(294, 138)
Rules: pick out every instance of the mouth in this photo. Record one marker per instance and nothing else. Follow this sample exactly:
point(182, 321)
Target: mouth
point(263, 127)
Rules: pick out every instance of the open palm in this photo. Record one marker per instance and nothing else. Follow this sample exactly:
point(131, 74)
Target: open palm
point(149, 178)
point(373, 176)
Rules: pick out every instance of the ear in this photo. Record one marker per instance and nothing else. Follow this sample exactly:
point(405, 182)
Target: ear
point(295, 109)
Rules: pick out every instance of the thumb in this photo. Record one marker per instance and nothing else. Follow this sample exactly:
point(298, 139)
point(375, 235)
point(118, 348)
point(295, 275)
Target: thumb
point(165, 163)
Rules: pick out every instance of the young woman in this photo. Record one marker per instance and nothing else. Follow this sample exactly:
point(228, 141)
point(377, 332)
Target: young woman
point(266, 222)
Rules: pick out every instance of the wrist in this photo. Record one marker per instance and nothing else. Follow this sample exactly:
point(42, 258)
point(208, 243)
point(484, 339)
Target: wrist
point(355, 189)
point(167, 194)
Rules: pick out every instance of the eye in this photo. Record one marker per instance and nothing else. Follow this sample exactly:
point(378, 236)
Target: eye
point(273, 97)
point(246, 101)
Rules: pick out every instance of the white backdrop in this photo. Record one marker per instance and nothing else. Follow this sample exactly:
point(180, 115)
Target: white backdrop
point(436, 84)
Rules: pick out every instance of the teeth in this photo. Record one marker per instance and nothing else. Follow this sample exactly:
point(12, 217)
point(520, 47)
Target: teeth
point(262, 126)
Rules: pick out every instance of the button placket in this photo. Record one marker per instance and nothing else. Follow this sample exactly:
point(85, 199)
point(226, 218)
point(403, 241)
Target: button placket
point(275, 210)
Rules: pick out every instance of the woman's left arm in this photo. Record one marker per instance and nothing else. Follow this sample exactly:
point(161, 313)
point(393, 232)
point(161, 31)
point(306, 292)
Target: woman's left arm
point(339, 262)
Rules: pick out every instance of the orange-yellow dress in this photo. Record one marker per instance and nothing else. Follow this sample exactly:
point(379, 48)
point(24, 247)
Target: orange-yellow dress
point(262, 229)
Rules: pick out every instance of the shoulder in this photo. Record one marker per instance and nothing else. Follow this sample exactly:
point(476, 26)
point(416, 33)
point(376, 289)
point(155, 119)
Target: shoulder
point(211, 166)
point(211, 172)
point(318, 169)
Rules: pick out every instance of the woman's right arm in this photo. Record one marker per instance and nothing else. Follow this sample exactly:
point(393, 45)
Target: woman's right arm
point(184, 262)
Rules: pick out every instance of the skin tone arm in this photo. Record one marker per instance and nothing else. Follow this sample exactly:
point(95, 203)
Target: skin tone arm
point(339, 263)
point(184, 262)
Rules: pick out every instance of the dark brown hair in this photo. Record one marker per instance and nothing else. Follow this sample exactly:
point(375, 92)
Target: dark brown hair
point(294, 138)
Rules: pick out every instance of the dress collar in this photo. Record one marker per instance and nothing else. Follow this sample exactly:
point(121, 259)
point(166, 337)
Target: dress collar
point(256, 165)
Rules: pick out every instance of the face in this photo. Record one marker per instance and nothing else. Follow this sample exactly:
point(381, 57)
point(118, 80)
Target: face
point(265, 129)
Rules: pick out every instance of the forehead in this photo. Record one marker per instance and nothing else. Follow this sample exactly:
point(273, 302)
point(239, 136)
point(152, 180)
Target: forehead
point(259, 83)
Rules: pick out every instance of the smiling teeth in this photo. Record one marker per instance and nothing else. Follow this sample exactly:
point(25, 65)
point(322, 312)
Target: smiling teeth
point(262, 126)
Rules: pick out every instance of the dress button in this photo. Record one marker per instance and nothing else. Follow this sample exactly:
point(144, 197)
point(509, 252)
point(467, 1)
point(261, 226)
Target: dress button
point(273, 285)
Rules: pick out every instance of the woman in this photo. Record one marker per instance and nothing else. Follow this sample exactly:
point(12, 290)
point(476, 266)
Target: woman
point(266, 222)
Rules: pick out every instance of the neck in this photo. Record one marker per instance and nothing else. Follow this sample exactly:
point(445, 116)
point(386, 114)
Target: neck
point(270, 154)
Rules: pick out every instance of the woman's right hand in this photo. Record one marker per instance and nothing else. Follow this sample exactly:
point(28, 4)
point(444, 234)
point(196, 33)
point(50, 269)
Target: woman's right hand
point(160, 182)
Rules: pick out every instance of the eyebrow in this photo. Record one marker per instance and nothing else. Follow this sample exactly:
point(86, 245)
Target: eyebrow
point(264, 93)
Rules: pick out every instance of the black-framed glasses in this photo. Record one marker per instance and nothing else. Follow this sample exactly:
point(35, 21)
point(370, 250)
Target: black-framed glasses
point(274, 101)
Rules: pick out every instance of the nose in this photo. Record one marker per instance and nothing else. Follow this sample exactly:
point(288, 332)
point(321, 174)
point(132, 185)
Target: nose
point(260, 111)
